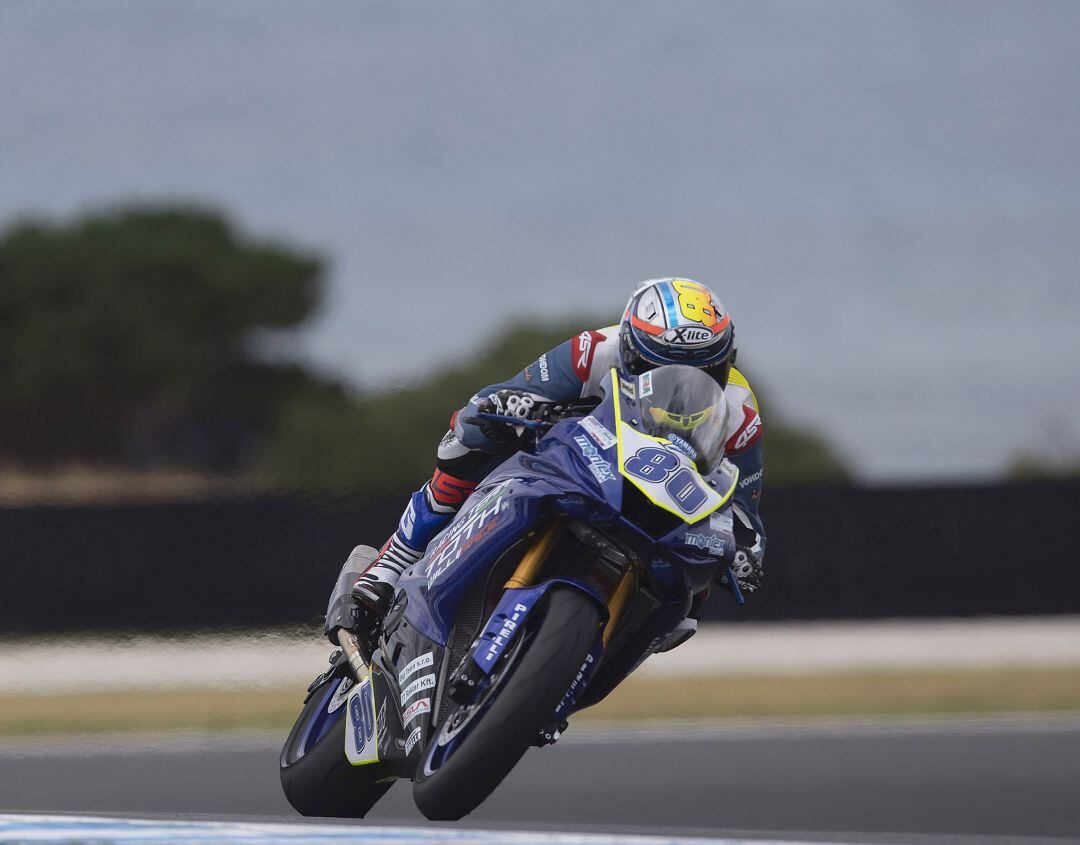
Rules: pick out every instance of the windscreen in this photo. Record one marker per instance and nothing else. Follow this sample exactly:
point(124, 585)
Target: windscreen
point(686, 407)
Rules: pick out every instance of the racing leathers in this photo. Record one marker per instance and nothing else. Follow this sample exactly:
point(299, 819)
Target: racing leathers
point(576, 369)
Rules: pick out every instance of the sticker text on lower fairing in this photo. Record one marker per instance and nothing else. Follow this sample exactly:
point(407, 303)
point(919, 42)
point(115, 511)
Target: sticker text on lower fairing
point(600, 468)
point(422, 683)
point(417, 708)
point(410, 743)
point(414, 666)
point(711, 543)
point(599, 432)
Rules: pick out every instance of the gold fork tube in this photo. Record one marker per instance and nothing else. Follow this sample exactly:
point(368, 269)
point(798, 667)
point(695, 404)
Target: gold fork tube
point(529, 567)
point(618, 603)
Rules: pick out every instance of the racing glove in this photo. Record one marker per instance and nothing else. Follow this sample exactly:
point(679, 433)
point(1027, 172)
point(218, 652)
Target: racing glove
point(747, 571)
point(507, 403)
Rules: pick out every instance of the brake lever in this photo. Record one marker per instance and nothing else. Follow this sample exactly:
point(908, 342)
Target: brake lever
point(733, 585)
point(507, 420)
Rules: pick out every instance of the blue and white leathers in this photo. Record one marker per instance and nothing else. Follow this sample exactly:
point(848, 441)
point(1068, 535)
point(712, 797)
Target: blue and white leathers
point(578, 368)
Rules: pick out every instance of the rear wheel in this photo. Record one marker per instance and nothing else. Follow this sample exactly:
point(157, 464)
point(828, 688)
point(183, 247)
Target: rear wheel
point(316, 775)
point(480, 748)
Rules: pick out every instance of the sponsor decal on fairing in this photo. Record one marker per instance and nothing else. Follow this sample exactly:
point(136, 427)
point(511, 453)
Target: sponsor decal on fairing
point(600, 469)
point(645, 384)
point(499, 641)
point(711, 543)
point(422, 683)
point(721, 521)
point(417, 708)
point(598, 431)
point(414, 666)
point(683, 445)
point(476, 525)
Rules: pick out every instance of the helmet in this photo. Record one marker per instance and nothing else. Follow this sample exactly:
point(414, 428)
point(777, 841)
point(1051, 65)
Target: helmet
point(676, 321)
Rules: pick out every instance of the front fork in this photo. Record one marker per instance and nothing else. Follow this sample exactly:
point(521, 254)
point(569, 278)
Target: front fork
point(521, 593)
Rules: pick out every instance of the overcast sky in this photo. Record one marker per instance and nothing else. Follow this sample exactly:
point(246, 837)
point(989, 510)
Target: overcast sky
point(886, 195)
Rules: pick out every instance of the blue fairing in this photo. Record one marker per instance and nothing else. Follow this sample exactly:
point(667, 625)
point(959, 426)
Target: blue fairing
point(574, 472)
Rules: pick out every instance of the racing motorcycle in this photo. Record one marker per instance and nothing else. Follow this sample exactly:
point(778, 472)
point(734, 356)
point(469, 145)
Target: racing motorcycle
point(566, 568)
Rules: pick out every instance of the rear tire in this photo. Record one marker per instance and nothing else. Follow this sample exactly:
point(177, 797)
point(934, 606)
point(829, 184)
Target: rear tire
point(526, 703)
point(322, 782)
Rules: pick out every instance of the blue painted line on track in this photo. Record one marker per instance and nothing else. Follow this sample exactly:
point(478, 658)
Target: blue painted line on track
point(83, 830)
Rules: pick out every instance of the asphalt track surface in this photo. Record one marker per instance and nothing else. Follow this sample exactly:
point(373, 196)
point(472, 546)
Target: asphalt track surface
point(910, 781)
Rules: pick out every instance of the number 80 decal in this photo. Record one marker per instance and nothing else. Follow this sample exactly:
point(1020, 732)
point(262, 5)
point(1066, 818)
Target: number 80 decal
point(659, 466)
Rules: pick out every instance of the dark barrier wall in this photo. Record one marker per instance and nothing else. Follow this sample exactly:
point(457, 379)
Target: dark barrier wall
point(834, 552)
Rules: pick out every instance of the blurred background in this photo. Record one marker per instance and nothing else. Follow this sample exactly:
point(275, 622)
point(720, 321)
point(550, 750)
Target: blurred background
point(252, 256)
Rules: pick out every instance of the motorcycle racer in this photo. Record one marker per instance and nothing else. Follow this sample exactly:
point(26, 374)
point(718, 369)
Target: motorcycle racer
point(667, 321)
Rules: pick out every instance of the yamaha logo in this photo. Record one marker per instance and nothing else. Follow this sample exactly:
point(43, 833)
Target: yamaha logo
point(686, 336)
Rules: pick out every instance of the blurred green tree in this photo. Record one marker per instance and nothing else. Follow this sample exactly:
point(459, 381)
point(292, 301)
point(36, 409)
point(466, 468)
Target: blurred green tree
point(1026, 466)
point(124, 337)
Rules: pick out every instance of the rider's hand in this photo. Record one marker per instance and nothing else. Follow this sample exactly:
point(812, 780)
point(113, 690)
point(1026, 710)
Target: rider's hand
point(747, 571)
point(508, 403)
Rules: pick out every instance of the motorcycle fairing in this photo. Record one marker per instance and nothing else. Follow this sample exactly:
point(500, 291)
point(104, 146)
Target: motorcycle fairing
point(408, 669)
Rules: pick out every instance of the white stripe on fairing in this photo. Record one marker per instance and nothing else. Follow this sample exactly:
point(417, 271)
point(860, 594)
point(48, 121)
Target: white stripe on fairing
point(79, 829)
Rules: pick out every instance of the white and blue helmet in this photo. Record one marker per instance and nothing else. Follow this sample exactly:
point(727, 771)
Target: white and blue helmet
point(676, 321)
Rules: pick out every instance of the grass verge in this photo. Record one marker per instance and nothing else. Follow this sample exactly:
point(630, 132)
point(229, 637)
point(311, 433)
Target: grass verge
point(878, 693)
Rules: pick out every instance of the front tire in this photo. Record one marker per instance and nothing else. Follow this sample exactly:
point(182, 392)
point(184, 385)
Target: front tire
point(526, 703)
point(317, 778)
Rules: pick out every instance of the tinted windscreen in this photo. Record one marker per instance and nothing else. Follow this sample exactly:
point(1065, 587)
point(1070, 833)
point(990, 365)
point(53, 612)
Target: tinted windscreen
point(686, 407)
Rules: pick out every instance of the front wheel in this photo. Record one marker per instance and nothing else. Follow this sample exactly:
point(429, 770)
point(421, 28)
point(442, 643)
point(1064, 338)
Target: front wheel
point(316, 776)
point(540, 670)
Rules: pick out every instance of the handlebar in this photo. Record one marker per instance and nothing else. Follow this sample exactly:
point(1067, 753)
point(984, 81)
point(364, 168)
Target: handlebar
point(501, 418)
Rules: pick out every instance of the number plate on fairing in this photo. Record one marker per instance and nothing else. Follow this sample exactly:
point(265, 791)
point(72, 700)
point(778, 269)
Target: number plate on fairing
point(361, 731)
point(665, 475)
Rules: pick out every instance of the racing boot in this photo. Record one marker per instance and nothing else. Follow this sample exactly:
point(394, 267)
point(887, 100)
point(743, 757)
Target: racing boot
point(427, 514)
